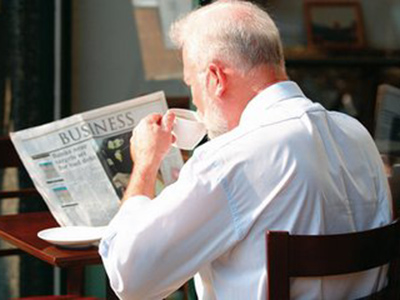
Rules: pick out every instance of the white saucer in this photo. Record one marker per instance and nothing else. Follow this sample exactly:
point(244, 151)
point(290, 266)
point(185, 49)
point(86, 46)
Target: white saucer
point(72, 236)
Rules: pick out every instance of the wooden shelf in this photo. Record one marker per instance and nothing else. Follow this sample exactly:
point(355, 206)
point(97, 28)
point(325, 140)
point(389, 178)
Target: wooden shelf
point(302, 56)
point(367, 61)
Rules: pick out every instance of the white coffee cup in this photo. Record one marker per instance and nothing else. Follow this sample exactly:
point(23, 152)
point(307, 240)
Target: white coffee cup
point(188, 130)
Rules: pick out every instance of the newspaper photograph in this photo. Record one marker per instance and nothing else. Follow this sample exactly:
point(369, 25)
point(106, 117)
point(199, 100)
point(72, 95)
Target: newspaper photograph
point(81, 164)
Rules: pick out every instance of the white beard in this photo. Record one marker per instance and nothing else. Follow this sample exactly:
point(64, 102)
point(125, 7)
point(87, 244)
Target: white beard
point(213, 118)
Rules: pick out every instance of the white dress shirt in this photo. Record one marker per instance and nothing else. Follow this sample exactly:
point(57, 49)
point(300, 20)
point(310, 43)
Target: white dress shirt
point(290, 165)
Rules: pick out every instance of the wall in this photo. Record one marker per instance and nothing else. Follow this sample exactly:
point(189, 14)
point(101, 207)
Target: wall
point(107, 65)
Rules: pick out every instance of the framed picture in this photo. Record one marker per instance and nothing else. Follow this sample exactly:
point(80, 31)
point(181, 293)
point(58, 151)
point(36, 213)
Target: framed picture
point(334, 24)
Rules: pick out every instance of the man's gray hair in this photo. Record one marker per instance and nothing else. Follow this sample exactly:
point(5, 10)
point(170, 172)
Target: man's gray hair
point(238, 33)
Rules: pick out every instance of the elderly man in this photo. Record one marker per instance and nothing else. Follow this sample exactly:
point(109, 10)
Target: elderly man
point(275, 161)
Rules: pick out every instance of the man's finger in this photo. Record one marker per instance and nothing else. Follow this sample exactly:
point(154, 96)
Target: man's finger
point(154, 118)
point(168, 121)
point(173, 138)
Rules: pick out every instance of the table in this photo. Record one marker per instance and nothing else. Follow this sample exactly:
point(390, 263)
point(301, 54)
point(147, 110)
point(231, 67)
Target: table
point(21, 231)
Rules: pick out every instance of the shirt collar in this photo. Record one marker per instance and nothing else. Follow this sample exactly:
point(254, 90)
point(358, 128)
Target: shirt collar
point(268, 97)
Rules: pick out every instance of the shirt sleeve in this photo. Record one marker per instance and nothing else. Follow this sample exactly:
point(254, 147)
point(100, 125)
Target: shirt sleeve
point(152, 247)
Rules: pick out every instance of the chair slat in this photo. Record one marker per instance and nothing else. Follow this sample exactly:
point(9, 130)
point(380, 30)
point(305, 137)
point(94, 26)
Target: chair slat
point(28, 192)
point(318, 255)
point(8, 155)
point(278, 264)
point(9, 252)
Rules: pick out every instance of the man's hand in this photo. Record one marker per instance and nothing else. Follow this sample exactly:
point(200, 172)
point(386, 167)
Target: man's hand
point(151, 141)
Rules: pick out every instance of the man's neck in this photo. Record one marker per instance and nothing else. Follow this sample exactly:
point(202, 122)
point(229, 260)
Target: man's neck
point(265, 76)
point(244, 88)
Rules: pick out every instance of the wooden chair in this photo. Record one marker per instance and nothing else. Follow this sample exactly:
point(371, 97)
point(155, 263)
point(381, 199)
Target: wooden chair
point(10, 159)
point(308, 256)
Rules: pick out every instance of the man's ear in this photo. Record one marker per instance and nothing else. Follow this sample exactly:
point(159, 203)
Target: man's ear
point(216, 79)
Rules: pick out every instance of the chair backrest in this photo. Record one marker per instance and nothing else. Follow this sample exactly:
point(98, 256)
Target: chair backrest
point(313, 256)
point(9, 159)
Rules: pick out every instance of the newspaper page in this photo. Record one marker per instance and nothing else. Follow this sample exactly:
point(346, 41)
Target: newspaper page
point(387, 127)
point(81, 164)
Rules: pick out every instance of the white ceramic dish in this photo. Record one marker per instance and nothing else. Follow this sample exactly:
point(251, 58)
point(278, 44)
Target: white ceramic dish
point(72, 236)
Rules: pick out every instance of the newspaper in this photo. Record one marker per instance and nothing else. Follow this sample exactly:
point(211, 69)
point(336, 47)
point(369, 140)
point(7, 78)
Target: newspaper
point(81, 164)
point(387, 127)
